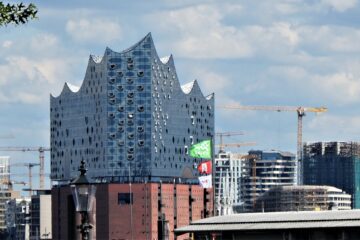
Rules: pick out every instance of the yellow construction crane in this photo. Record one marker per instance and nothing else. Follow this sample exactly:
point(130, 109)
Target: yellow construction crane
point(225, 134)
point(300, 114)
point(221, 146)
point(41, 151)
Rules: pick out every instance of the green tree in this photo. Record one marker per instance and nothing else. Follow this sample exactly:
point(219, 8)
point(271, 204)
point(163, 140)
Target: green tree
point(16, 13)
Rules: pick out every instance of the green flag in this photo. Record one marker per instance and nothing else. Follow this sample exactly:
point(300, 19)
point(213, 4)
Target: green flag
point(201, 149)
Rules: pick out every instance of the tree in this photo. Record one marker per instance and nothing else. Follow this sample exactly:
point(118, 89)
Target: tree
point(16, 13)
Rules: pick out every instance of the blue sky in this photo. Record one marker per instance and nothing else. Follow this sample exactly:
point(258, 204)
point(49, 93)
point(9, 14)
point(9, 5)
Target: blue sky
point(273, 52)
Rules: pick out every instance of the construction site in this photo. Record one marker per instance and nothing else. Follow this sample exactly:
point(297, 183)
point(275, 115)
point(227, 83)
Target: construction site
point(302, 198)
point(16, 195)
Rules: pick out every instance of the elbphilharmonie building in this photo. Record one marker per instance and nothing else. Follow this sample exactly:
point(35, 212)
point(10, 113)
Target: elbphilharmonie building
point(130, 117)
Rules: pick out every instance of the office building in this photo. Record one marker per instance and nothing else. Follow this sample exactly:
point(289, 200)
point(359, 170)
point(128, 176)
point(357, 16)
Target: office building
point(229, 169)
point(267, 169)
point(334, 164)
point(303, 198)
point(130, 115)
point(40, 211)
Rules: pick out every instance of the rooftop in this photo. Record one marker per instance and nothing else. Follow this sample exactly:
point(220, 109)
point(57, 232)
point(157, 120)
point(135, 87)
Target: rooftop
point(275, 220)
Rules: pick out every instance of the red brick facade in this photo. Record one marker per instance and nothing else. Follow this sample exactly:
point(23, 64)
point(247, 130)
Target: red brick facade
point(155, 207)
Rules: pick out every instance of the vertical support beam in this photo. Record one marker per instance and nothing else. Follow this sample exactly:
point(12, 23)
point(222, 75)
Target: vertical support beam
point(30, 179)
point(300, 113)
point(41, 159)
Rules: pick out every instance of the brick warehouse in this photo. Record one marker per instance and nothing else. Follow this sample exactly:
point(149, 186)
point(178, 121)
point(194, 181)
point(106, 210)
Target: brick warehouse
point(157, 209)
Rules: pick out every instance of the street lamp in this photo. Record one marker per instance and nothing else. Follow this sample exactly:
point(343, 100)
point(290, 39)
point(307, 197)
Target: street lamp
point(83, 193)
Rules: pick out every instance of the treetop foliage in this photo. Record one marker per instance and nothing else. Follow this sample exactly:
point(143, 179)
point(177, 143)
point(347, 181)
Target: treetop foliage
point(16, 13)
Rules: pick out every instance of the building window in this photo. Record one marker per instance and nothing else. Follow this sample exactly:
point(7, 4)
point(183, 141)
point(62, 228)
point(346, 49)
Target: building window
point(125, 198)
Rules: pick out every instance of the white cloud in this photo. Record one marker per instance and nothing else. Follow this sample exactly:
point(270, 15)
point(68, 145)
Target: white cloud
point(7, 44)
point(29, 81)
point(340, 5)
point(93, 30)
point(338, 87)
point(341, 87)
point(199, 33)
point(331, 37)
point(43, 41)
point(211, 81)
point(331, 127)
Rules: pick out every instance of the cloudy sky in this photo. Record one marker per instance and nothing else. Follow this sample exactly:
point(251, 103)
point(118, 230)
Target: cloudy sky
point(273, 52)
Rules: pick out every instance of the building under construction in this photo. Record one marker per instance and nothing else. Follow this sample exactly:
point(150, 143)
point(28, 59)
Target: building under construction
point(334, 164)
point(303, 198)
point(6, 193)
point(266, 169)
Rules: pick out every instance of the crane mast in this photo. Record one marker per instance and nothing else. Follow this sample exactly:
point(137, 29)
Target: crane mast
point(300, 114)
point(41, 151)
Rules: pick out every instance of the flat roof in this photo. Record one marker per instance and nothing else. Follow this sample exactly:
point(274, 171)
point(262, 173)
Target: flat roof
point(275, 220)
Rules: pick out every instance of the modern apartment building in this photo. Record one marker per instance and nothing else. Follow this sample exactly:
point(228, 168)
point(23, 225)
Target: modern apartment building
point(303, 198)
point(229, 170)
point(334, 164)
point(266, 169)
point(131, 117)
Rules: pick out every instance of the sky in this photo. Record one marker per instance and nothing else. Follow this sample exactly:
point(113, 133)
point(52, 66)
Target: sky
point(273, 52)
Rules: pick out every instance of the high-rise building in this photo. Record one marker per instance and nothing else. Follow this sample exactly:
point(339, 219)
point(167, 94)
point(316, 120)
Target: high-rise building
point(267, 169)
point(334, 164)
point(229, 170)
point(131, 117)
point(303, 198)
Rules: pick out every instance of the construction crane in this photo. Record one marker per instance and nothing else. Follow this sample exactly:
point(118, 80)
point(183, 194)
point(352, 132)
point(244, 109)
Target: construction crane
point(41, 151)
point(221, 146)
point(300, 114)
point(226, 134)
point(29, 166)
point(11, 183)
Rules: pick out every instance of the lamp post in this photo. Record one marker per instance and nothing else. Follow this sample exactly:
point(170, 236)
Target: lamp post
point(83, 193)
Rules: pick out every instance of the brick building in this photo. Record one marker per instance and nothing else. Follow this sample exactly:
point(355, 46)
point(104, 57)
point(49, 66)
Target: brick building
point(157, 209)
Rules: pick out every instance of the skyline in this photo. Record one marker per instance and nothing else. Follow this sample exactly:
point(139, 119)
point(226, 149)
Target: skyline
point(291, 53)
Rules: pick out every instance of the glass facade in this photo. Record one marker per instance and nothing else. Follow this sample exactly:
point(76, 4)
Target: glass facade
point(335, 164)
point(131, 118)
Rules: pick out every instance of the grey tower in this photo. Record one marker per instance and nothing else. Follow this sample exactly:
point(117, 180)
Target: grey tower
point(129, 113)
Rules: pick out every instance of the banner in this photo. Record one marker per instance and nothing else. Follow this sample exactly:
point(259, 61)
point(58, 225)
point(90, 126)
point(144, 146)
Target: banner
point(205, 167)
point(201, 149)
point(205, 181)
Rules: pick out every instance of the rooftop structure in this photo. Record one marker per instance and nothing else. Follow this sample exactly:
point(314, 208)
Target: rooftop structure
point(278, 226)
point(303, 198)
point(334, 164)
point(130, 117)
